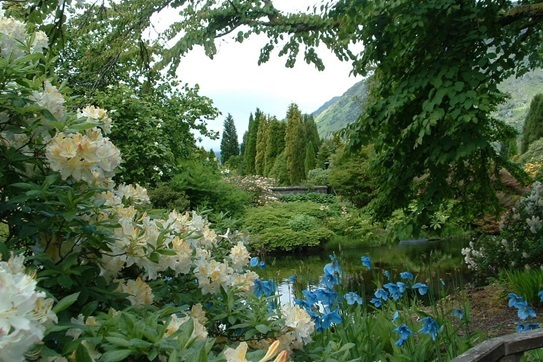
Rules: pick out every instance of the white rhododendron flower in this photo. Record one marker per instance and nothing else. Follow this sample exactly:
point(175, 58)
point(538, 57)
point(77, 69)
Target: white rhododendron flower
point(239, 256)
point(24, 312)
point(197, 312)
point(13, 33)
point(51, 99)
point(238, 354)
point(198, 332)
point(300, 322)
point(139, 292)
point(136, 194)
point(89, 157)
point(96, 115)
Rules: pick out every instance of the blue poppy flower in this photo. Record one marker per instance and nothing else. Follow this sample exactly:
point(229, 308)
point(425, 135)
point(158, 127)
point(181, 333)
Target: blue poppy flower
point(352, 298)
point(330, 280)
point(381, 293)
point(395, 316)
point(402, 286)
point(310, 296)
point(406, 275)
point(458, 313)
point(525, 310)
point(387, 274)
point(377, 302)
point(366, 261)
point(514, 300)
point(326, 296)
point(292, 279)
point(403, 331)
point(303, 303)
point(329, 318)
point(540, 295)
point(264, 287)
point(262, 264)
point(332, 269)
point(254, 261)
point(421, 287)
point(521, 327)
point(394, 290)
point(430, 327)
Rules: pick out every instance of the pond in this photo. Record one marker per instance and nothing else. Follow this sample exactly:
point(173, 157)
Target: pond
point(439, 264)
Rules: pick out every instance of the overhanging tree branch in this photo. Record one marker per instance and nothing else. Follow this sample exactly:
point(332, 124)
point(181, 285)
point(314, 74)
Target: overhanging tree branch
point(533, 11)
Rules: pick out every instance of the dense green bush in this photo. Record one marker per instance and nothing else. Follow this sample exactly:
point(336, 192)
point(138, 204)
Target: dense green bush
point(296, 225)
point(318, 177)
point(199, 186)
point(287, 227)
point(350, 176)
point(519, 244)
point(165, 197)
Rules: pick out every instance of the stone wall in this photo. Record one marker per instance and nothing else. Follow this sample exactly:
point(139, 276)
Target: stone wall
point(293, 190)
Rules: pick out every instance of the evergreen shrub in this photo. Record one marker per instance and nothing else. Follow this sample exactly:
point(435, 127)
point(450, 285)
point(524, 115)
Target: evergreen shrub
point(519, 245)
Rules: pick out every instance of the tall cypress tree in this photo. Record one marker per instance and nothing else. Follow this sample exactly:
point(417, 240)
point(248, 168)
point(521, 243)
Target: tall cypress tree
point(229, 141)
point(295, 145)
point(276, 143)
point(250, 147)
point(261, 145)
point(533, 125)
point(312, 140)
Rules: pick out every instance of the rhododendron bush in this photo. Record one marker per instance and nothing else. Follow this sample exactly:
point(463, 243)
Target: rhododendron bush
point(88, 271)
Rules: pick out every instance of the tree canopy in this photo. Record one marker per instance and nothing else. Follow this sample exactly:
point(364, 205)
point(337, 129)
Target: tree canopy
point(437, 64)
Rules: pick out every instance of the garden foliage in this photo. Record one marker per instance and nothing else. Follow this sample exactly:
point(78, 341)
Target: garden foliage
point(308, 221)
point(88, 272)
point(519, 244)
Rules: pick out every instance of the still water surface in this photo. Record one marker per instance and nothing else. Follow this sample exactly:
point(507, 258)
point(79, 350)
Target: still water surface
point(438, 263)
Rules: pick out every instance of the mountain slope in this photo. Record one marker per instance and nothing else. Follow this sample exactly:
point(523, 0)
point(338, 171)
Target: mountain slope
point(341, 111)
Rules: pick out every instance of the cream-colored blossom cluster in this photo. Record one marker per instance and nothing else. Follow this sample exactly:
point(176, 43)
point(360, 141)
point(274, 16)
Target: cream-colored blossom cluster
point(139, 292)
point(24, 312)
point(199, 331)
point(188, 243)
point(300, 327)
point(13, 34)
point(89, 157)
point(51, 99)
point(97, 115)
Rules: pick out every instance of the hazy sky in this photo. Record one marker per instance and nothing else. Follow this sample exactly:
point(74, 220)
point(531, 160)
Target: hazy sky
point(238, 85)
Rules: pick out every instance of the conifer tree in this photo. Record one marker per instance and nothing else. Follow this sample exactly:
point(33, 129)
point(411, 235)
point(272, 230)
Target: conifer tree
point(279, 170)
point(310, 160)
point(312, 140)
point(533, 125)
point(276, 143)
point(311, 132)
point(295, 145)
point(261, 145)
point(250, 147)
point(229, 141)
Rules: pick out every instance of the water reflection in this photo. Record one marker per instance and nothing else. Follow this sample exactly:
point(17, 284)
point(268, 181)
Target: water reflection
point(437, 263)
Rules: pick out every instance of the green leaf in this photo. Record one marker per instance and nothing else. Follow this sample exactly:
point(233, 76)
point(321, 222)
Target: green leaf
point(82, 354)
point(118, 341)
point(117, 355)
point(65, 302)
point(264, 329)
